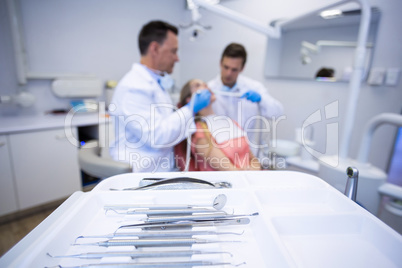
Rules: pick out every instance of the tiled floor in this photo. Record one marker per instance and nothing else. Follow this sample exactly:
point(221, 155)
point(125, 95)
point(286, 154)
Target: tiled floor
point(12, 232)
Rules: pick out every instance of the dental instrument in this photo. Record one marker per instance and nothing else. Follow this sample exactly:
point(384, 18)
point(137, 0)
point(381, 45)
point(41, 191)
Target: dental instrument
point(153, 242)
point(351, 184)
point(168, 211)
point(166, 233)
point(197, 217)
point(218, 203)
point(139, 254)
point(187, 224)
point(371, 178)
point(154, 264)
point(180, 183)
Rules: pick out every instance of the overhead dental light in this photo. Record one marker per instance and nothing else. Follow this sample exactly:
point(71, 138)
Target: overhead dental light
point(213, 6)
point(195, 27)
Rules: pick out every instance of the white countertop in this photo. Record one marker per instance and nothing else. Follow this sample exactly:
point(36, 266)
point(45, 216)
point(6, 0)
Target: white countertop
point(12, 124)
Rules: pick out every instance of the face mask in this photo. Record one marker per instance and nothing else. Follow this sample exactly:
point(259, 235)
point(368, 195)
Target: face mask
point(166, 82)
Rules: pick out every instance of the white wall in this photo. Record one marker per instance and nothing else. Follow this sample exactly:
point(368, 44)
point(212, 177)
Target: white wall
point(100, 37)
point(302, 98)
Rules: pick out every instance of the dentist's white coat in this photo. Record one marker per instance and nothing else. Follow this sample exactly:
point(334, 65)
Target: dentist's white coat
point(146, 125)
point(244, 111)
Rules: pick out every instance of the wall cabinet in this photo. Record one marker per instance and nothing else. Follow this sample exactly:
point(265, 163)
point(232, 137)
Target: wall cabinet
point(43, 167)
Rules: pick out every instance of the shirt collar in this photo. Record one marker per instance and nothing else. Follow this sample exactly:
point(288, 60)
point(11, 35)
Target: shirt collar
point(154, 75)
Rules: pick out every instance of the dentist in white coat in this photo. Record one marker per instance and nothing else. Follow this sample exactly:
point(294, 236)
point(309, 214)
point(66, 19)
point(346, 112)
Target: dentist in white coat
point(147, 125)
point(253, 95)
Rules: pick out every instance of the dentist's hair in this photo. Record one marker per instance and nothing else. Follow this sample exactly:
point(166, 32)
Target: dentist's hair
point(154, 31)
point(235, 50)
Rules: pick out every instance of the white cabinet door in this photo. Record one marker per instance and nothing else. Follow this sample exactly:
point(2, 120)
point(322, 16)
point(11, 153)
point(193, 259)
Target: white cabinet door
point(8, 196)
point(45, 166)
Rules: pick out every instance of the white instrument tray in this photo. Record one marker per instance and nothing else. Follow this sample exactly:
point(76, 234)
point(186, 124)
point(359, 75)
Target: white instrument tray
point(302, 222)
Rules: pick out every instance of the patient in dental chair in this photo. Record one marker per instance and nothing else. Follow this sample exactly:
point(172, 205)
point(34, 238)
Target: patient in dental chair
point(219, 143)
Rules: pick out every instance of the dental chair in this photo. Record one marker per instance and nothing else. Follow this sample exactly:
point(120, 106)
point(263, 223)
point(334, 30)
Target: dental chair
point(99, 165)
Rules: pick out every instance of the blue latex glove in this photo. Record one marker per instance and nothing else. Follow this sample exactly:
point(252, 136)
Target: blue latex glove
point(251, 95)
point(202, 100)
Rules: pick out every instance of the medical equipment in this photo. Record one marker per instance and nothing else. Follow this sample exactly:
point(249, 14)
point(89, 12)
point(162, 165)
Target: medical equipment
point(187, 224)
point(370, 177)
point(218, 203)
point(92, 163)
point(155, 264)
point(180, 183)
point(197, 217)
point(153, 242)
point(166, 233)
point(301, 218)
point(195, 27)
point(351, 184)
point(139, 254)
point(268, 30)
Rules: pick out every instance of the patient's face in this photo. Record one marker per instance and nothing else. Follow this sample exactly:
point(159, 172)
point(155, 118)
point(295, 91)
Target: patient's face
point(197, 84)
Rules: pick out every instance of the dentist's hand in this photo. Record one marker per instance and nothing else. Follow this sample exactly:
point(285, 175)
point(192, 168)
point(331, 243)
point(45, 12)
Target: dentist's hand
point(202, 100)
point(251, 95)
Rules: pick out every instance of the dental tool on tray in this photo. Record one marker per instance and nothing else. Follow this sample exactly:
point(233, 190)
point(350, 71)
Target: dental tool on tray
point(134, 254)
point(166, 233)
point(195, 217)
point(187, 224)
point(217, 204)
point(154, 242)
point(178, 183)
point(154, 264)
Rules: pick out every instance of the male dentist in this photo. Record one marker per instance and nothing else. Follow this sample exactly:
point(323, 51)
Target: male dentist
point(147, 125)
point(250, 94)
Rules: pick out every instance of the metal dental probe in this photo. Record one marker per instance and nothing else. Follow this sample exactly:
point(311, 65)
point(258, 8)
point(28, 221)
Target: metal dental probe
point(152, 264)
point(218, 203)
point(167, 211)
point(182, 180)
point(139, 254)
point(197, 217)
point(154, 242)
point(166, 233)
point(181, 224)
